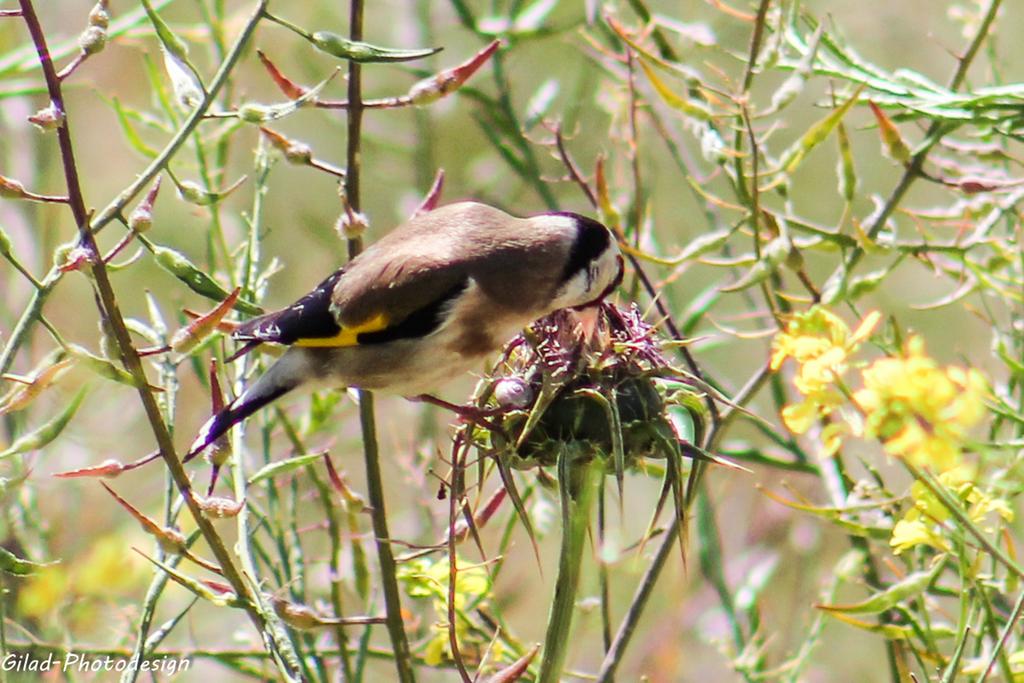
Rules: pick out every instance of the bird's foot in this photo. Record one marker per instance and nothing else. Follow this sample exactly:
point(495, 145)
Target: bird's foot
point(473, 414)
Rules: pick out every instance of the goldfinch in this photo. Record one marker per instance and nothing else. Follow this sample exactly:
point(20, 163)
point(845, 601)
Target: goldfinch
point(426, 303)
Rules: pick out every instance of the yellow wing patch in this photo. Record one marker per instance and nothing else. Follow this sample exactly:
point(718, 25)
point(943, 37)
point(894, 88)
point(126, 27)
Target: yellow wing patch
point(348, 335)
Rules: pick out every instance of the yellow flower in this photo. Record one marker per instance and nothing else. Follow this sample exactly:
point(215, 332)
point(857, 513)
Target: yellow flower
point(920, 411)
point(820, 343)
point(428, 578)
point(44, 591)
point(912, 531)
point(923, 522)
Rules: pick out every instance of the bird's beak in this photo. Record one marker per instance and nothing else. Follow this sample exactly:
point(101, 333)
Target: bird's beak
point(588, 321)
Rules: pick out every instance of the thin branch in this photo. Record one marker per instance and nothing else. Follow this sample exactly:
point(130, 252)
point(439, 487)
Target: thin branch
point(129, 355)
point(371, 450)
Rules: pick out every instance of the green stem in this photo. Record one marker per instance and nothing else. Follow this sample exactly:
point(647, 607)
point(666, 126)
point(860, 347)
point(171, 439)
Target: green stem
point(578, 483)
point(371, 451)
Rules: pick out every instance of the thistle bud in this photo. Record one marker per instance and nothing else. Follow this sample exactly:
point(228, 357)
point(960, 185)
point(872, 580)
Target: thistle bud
point(512, 393)
point(297, 616)
point(170, 540)
point(192, 193)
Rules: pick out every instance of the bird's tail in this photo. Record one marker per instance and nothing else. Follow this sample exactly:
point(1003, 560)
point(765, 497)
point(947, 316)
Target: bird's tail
point(281, 378)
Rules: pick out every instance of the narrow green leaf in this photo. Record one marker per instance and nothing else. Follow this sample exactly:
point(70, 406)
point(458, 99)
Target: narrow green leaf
point(12, 564)
point(847, 171)
point(357, 51)
point(170, 42)
point(909, 587)
point(284, 466)
point(178, 265)
point(816, 134)
point(49, 431)
point(685, 105)
point(130, 133)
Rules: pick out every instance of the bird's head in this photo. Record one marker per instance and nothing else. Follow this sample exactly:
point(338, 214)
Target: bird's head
point(594, 266)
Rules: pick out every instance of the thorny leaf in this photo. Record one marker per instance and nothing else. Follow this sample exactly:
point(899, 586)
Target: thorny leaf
point(291, 89)
point(895, 148)
point(448, 81)
point(190, 336)
point(130, 134)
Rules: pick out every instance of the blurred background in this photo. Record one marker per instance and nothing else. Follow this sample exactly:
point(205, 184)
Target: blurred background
point(774, 558)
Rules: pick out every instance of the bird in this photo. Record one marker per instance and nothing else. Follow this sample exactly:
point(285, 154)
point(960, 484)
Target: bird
point(427, 303)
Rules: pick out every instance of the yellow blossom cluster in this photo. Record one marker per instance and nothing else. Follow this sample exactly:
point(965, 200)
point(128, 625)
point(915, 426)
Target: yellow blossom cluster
point(821, 344)
point(427, 578)
point(921, 412)
point(923, 523)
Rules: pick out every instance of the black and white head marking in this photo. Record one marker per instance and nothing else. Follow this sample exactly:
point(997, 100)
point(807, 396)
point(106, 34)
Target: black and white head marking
point(594, 265)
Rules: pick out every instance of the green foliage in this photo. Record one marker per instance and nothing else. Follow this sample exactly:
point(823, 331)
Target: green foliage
point(804, 174)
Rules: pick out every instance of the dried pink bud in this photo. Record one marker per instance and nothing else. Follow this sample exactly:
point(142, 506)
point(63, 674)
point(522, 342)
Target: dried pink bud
point(108, 469)
point(448, 81)
point(141, 219)
point(47, 118)
point(78, 258)
point(219, 507)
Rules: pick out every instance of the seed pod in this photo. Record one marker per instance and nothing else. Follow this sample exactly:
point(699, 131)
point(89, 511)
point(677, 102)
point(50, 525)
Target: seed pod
point(351, 224)
point(298, 153)
point(100, 14)
point(11, 188)
point(92, 40)
point(355, 51)
point(251, 112)
point(215, 506)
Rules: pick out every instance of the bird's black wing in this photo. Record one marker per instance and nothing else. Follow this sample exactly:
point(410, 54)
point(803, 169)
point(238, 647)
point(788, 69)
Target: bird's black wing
point(310, 321)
